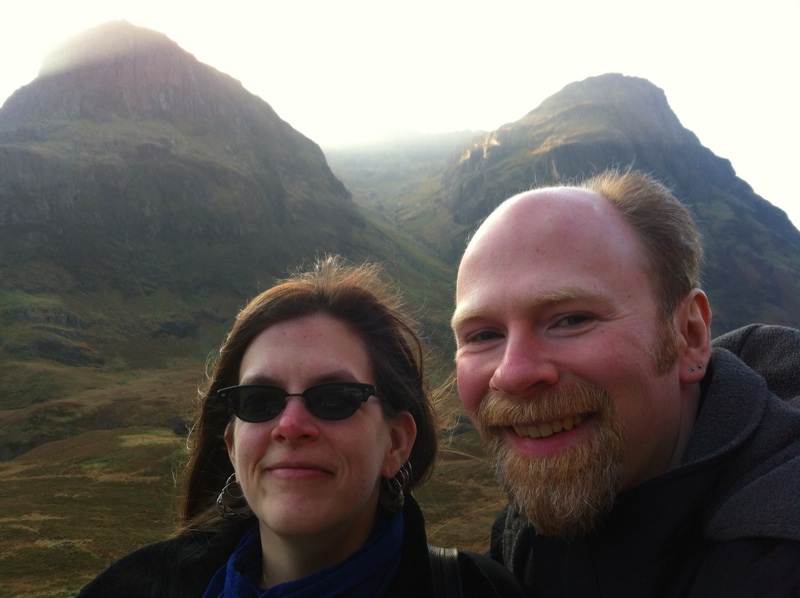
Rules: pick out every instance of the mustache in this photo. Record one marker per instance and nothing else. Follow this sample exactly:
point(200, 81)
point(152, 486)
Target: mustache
point(498, 410)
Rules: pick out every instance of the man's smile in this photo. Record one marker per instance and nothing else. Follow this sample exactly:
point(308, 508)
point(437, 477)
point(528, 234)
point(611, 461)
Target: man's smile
point(545, 429)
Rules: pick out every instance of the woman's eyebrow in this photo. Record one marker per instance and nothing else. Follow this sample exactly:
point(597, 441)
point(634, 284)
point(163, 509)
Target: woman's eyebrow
point(259, 379)
point(332, 375)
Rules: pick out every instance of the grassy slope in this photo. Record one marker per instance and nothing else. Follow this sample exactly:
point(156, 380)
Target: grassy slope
point(61, 499)
point(71, 507)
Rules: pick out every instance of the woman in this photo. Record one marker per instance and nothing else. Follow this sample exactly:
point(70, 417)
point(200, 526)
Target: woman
point(314, 428)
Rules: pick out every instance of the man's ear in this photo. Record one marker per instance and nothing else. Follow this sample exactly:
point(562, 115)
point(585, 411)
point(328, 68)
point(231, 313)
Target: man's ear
point(403, 433)
point(693, 327)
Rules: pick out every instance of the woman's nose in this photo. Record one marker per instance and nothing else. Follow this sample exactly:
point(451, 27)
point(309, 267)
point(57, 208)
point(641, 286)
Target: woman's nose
point(295, 422)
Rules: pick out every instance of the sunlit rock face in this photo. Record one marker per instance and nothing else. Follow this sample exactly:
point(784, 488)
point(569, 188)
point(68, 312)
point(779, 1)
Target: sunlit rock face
point(618, 121)
point(605, 120)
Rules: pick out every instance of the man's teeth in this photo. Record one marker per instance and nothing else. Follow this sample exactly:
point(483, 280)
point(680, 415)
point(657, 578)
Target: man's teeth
point(548, 429)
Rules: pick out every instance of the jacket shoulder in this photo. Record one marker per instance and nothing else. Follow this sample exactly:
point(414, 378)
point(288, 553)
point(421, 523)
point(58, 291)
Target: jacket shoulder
point(483, 577)
point(177, 567)
point(754, 398)
point(773, 352)
point(747, 567)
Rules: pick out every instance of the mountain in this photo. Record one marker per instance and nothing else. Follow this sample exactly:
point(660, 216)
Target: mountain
point(752, 270)
point(144, 197)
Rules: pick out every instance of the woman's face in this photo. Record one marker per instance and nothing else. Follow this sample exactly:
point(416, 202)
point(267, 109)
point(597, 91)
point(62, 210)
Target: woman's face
point(306, 478)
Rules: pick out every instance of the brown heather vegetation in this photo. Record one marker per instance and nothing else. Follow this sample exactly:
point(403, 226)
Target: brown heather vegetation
point(68, 508)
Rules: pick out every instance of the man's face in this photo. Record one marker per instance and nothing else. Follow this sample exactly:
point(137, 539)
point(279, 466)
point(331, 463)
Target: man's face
point(563, 361)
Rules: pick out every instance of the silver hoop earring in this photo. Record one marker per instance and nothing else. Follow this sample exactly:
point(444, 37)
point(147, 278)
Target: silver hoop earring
point(393, 490)
point(231, 502)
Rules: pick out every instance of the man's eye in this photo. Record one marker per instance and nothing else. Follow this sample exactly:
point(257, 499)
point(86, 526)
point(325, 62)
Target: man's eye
point(572, 320)
point(482, 336)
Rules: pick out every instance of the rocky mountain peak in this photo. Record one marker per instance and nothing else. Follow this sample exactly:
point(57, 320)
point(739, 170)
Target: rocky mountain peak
point(612, 105)
point(104, 44)
point(639, 108)
point(118, 70)
point(127, 147)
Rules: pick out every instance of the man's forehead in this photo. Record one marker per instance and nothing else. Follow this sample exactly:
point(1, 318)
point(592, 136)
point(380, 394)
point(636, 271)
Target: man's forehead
point(568, 209)
point(542, 206)
point(564, 232)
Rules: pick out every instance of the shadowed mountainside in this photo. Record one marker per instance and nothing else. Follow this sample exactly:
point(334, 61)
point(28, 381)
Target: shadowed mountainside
point(144, 197)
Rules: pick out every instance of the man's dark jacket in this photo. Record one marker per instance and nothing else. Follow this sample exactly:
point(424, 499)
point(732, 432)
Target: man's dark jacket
point(182, 567)
point(725, 523)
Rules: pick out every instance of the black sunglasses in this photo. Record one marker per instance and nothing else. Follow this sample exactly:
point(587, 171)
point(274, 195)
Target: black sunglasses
point(331, 401)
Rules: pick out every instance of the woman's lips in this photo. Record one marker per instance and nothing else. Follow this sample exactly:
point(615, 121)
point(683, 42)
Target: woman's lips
point(297, 469)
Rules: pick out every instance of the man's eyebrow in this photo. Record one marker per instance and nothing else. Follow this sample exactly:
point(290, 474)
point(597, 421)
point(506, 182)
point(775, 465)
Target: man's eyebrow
point(463, 315)
point(560, 295)
point(551, 297)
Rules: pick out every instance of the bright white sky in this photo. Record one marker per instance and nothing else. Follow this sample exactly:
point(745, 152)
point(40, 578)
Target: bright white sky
point(342, 71)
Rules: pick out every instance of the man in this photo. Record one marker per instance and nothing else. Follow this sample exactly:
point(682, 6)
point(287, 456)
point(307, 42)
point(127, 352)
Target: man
point(638, 460)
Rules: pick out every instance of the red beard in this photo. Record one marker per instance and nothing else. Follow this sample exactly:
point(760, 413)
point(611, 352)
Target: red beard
point(565, 494)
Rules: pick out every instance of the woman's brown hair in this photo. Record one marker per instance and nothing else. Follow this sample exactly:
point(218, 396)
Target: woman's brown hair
point(355, 295)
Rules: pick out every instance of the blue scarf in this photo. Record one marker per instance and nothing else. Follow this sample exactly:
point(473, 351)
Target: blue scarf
point(366, 573)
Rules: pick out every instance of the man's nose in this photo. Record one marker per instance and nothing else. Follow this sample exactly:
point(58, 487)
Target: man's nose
point(527, 363)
